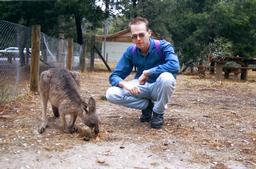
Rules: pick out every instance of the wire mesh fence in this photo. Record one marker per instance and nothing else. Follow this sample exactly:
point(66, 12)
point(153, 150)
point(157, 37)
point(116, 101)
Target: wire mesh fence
point(15, 53)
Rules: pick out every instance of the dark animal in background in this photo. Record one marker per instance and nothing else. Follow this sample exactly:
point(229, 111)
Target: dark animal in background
point(61, 88)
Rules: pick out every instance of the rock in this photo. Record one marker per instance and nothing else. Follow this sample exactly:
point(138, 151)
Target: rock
point(101, 161)
point(85, 132)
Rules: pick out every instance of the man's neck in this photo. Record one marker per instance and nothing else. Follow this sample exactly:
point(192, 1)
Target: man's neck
point(144, 51)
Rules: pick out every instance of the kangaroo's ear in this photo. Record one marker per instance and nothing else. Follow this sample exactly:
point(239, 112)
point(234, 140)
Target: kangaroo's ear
point(46, 76)
point(85, 106)
point(92, 105)
point(44, 83)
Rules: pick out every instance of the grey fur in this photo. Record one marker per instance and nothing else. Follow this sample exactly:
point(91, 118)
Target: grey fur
point(91, 119)
point(61, 88)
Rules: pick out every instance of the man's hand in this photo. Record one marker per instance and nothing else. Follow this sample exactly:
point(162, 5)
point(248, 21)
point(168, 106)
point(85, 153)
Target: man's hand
point(133, 89)
point(144, 77)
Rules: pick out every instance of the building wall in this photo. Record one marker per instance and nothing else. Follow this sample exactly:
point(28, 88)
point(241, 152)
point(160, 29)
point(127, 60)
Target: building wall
point(115, 50)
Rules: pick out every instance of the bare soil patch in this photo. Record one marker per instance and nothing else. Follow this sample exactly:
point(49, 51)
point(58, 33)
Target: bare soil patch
point(208, 124)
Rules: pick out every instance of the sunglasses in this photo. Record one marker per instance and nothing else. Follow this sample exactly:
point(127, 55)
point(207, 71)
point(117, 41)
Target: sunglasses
point(141, 35)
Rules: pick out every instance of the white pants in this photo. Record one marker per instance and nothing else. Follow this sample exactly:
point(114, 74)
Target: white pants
point(159, 93)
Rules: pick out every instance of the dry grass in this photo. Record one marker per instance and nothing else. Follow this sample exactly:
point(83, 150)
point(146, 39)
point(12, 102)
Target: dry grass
point(207, 121)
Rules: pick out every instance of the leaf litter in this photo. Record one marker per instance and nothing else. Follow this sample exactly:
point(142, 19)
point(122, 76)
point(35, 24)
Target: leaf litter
point(208, 123)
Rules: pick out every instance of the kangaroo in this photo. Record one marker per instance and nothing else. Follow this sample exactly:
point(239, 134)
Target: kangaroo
point(61, 88)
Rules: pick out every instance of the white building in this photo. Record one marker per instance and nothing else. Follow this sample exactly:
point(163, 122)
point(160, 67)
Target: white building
point(115, 44)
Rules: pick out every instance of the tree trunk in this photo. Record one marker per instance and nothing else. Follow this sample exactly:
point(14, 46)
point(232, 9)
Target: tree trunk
point(79, 32)
point(107, 8)
point(134, 4)
point(82, 61)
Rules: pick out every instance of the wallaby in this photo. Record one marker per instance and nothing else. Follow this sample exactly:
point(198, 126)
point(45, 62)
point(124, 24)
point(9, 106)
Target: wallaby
point(61, 88)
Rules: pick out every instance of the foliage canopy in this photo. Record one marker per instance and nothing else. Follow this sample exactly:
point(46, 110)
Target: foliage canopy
point(194, 26)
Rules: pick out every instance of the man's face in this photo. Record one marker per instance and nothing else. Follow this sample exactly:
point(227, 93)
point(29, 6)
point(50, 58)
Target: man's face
point(140, 35)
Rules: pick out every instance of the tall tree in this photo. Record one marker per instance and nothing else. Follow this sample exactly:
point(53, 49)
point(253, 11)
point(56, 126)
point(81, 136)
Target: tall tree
point(21, 12)
point(81, 10)
point(47, 14)
point(236, 21)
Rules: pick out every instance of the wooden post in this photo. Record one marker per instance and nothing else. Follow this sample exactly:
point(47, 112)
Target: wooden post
point(219, 68)
point(34, 65)
point(212, 64)
point(244, 72)
point(82, 60)
point(92, 53)
point(102, 58)
point(226, 74)
point(69, 54)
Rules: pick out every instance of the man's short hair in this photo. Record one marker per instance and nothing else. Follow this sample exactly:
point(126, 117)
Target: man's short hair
point(138, 20)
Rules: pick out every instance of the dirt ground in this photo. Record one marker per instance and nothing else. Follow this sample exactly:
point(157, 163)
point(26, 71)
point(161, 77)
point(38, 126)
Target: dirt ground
point(209, 124)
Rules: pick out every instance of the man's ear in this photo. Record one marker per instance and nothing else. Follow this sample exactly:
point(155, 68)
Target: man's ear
point(149, 32)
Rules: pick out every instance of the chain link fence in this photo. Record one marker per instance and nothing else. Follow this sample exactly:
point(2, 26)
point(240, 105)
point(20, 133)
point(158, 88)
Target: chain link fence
point(15, 53)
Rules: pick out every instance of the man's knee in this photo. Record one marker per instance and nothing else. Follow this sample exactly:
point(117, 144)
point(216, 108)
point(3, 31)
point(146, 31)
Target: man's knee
point(167, 79)
point(113, 94)
point(109, 93)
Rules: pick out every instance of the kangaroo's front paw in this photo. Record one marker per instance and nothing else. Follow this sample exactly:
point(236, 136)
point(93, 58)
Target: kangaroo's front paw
point(41, 129)
point(72, 129)
point(75, 128)
point(96, 131)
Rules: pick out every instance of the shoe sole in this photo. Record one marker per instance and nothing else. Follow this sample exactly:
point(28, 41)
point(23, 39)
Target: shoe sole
point(143, 121)
point(156, 126)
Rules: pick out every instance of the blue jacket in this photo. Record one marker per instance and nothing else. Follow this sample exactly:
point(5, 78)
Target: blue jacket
point(167, 62)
